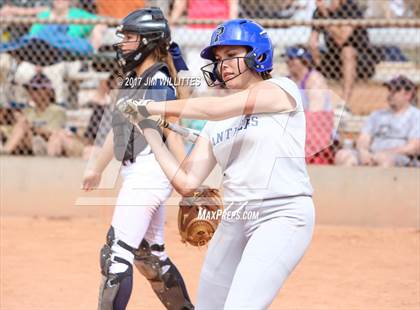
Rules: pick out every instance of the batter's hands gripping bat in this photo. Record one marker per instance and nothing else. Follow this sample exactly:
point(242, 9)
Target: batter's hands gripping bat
point(129, 108)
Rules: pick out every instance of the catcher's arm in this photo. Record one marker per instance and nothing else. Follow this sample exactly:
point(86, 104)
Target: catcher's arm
point(188, 175)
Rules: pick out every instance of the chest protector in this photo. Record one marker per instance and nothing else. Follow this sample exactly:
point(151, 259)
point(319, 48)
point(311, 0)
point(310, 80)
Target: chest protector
point(128, 141)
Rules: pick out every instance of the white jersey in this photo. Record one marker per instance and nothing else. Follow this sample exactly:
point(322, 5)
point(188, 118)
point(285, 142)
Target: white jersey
point(262, 156)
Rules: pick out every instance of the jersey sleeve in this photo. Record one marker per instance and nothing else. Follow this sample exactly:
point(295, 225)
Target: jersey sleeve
point(291, 89)
point(206, 131)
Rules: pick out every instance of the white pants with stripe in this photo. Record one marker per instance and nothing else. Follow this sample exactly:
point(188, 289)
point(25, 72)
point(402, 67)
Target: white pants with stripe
point(139, 212)
point(248, 261)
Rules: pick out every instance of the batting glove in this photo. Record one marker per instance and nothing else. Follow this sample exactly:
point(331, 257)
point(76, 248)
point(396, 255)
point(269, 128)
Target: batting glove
point(133, 109)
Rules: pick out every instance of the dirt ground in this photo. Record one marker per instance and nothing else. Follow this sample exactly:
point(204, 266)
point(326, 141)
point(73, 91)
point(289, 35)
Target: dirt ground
point(52, 263)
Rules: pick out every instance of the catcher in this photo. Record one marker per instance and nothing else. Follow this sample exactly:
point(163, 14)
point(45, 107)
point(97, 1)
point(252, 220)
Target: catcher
point(136, 236)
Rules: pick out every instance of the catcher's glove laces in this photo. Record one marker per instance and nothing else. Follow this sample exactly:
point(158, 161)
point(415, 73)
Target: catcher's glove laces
point(199, 215)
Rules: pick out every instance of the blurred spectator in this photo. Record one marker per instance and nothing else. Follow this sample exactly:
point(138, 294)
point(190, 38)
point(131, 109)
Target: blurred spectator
point(118, 8)
point(35, 127)
point(316, 102)
point(22, 7)
point(204, 9)
point(98, 126)
point(304, 9)
point(68, 141)
point(391, 9)
point(60, 34)
point(63, 8)
point(268, 9)
point(59, 8)
point(313, 86)
point(164, 5)
point(349, 53)
point(390, 137)
point(88, 5)
point(19, 8)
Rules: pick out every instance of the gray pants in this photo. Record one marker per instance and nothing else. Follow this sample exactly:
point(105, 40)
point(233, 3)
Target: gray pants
point(248, 261)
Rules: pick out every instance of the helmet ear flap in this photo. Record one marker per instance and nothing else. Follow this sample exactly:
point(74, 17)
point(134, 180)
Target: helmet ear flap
point(255, 62)
point(250, 60)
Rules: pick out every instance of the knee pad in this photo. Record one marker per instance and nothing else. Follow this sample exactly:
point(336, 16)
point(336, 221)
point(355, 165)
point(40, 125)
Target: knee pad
point(163, 276)
point(115, 288)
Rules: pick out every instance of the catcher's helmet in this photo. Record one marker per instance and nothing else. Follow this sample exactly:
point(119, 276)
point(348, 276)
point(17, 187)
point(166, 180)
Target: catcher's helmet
point(244, 32)
point(153, 29)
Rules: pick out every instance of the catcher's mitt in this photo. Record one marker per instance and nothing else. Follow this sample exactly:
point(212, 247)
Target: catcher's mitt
point(199, 215)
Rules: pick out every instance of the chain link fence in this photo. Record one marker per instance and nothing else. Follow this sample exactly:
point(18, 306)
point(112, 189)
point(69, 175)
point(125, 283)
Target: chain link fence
point(56, 60)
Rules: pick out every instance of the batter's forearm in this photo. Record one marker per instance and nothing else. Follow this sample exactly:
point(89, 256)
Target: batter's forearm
point(194, 108)
point(264, 97)
point(179, 179)
point(176, 145)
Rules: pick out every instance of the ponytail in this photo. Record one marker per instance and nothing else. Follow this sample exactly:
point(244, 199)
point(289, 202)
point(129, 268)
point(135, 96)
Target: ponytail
point(162, 55)
point(266, 75)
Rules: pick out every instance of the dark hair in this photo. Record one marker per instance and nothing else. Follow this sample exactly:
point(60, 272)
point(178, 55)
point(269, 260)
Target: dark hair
point(50, 96)
point(266, 75)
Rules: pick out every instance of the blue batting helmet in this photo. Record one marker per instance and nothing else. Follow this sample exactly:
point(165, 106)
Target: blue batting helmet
point(243, 32)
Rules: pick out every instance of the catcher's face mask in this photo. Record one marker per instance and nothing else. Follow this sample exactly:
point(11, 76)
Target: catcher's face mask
point(129, 41)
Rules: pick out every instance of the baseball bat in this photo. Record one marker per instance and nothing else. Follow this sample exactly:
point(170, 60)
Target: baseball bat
point(188, 133)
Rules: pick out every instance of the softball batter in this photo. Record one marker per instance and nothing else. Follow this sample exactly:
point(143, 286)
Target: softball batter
point(136, 234)
point(257, 136)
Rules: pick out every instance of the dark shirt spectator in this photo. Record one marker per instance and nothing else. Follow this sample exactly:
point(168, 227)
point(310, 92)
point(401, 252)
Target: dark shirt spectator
point(267, 9)
point(349, 52)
